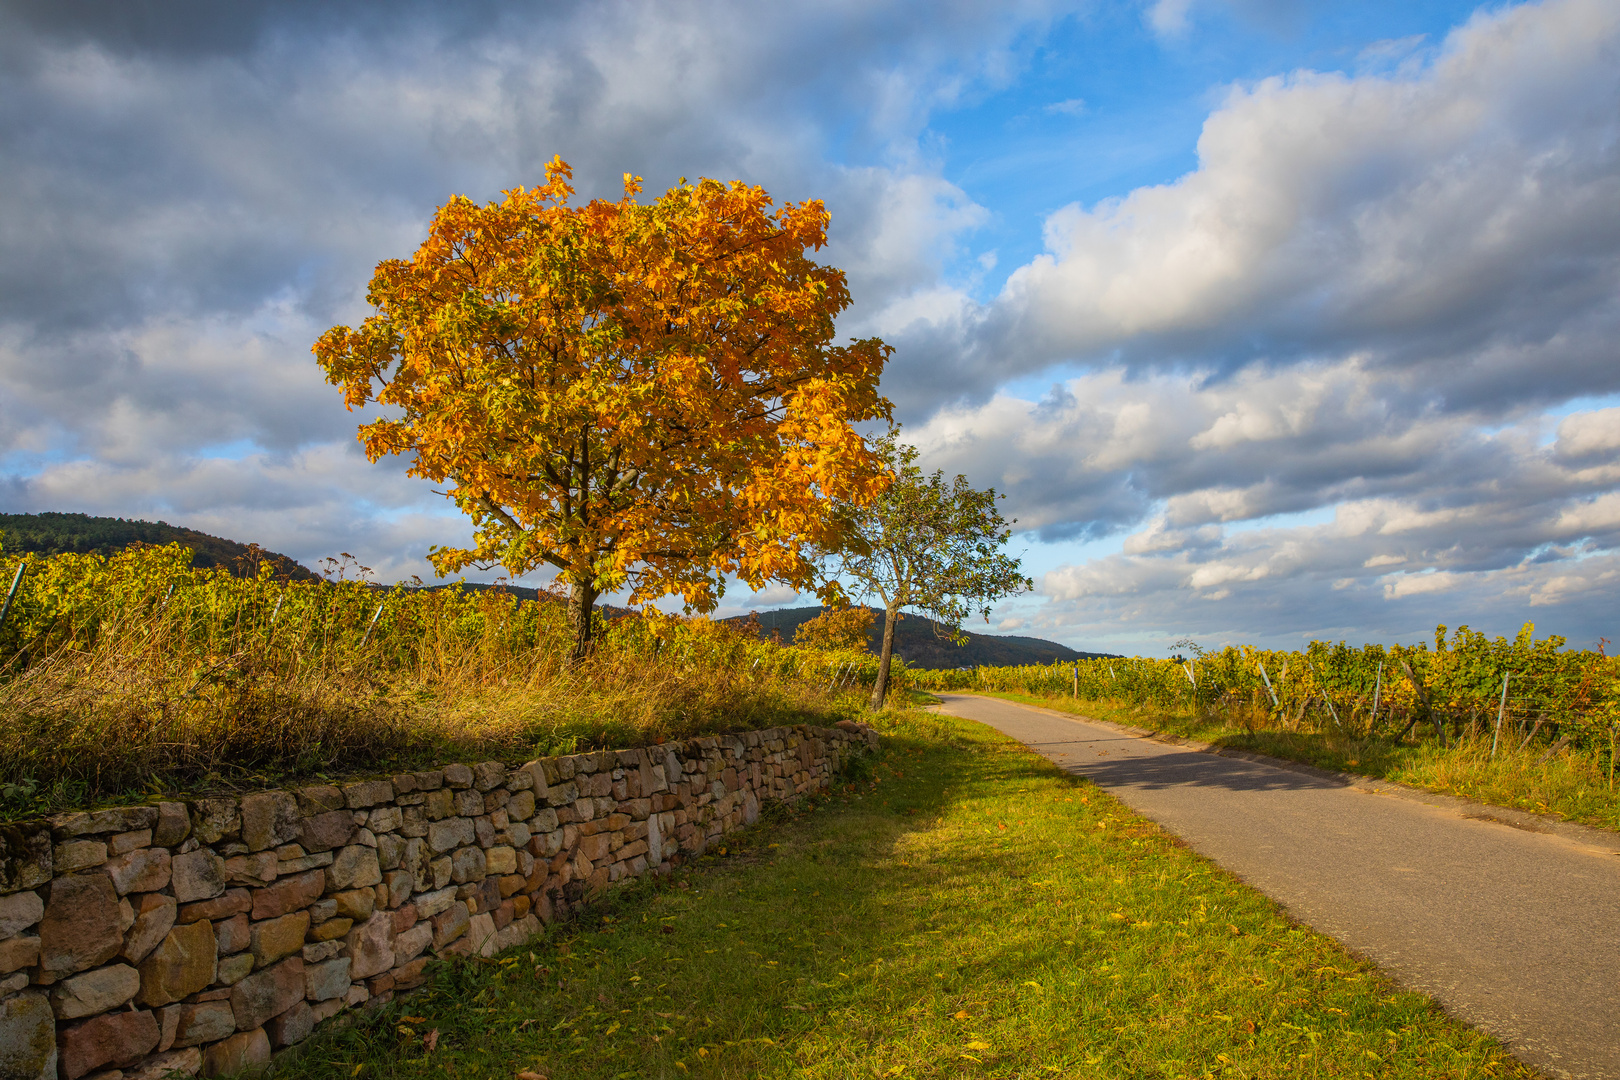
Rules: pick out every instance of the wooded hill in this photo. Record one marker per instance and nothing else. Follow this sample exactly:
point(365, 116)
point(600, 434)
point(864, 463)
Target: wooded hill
point(81, 534)
point(917, 641)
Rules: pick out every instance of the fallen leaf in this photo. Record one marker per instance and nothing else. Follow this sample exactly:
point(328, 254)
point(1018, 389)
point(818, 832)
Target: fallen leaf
point(977, 1044)
point(431, 1040)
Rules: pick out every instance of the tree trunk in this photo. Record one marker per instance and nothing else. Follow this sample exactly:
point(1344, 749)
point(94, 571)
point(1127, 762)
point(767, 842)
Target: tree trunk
point(880, 688)
point(581, 606)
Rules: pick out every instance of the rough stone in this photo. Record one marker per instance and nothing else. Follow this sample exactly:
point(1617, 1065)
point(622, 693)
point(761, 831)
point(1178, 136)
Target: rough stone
point(219, 907)
point(197, 875)
point(321, 950)
point(233, 935)
point(289, 894)
point(212, 820)
point(430, 904)
point(72, 855)
point(323, 832)
point(409, 945)
point(331, 930)
point(27, 1038)
point(355, 866)
point(208, 1021)
point(481, 932)
point(233, 969)
point(274, 938)
point(458, 776)
point(141, 870)
point(500, 860)
point(450, 924)
point(326, 980)
point(267, 993)
point(247, 1051)
point(19, 912)
point(269, 819)
point(94, 991)
point(469, 803)
point(468, 864)
point(258, 868)
point(173, 1064)
point(25, 857)
point(80, 928)
point(370, 946)
point(318, 799)
point(153, 921)
point(410, 975)
point(390, 851)
point(292, 1026)
point(185, 963)
point(450, 833)
point(287, 867)
point(115, 820)
point(385, 819)
point(357, 904)
point(128, 841)
point(18, 953)
point(172, 825)
point(116, 1038)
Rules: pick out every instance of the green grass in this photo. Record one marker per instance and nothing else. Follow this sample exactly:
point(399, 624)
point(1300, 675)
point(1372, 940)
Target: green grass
point(1567, 785)
point(966, 910)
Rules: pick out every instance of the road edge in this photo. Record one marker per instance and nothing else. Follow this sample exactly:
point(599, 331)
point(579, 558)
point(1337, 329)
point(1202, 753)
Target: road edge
point(1604, 840)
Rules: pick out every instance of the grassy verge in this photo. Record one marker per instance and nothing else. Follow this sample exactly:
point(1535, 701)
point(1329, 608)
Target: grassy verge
point(966, 911)
point(1565, 784)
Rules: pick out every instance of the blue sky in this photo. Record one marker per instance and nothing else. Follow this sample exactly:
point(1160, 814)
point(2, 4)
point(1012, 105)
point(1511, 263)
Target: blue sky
point(1273, 320)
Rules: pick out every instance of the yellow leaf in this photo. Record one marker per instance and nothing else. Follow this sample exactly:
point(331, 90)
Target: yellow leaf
point(978, 1045)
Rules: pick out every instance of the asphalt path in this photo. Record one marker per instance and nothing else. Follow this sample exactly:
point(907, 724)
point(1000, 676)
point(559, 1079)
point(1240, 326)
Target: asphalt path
point(1513, 930)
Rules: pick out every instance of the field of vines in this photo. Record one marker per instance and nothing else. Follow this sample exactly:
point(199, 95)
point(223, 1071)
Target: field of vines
point(1514, 693)
point(139, 671)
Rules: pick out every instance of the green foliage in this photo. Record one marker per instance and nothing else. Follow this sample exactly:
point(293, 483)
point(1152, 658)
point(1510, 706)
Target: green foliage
point(81, 534)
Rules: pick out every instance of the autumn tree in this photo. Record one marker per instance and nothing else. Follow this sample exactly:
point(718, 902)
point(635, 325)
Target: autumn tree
point(836, 628)
point(642, 396)
point(930, 545)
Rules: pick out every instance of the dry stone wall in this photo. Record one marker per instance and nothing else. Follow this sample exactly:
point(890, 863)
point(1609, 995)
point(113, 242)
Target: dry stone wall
point(185, 938)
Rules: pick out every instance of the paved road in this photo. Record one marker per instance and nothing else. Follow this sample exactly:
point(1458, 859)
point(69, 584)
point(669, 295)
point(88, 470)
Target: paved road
point(1517, 932)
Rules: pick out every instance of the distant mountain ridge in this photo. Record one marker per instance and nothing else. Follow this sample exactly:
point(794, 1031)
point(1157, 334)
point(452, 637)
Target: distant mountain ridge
point(917, 642)
point(81, 534)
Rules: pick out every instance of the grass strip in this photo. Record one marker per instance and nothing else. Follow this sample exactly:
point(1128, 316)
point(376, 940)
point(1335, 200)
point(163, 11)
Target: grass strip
point(1564, 784)
point(967, 910)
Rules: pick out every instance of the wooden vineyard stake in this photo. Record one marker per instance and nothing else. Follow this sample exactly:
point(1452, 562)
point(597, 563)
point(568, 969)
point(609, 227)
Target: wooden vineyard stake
point(11, 594)
point(1501, 711)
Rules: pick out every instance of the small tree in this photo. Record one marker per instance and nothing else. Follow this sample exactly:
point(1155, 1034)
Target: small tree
point(931, 545)
point(641, 396)
point(836, 628)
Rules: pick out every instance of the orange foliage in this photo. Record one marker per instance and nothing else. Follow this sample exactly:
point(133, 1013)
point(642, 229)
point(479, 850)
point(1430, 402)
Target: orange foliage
point(638, 395)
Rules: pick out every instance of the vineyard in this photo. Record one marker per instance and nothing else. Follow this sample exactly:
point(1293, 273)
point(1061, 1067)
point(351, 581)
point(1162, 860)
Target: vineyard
point(140, 671)
point(1512, 694)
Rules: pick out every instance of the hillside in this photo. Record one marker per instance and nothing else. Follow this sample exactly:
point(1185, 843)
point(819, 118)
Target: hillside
point(916, 641)
point(81, 534)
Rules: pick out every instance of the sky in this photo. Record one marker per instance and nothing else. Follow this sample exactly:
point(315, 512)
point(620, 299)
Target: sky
point(1273, 320)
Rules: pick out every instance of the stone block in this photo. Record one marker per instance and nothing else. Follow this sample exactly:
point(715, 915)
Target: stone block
point(458, 776)
point(411, 975)
point(116, 1038)
point(323, 832)
point(269, 819)
point(129, 841)
point(244, 1052)
point(253, 870)
point(430, 780)
point(439, 804)
point(71, 855)
point(409, 945)
point(118, 819)
point(205, 1022)
point(289, 894)
point(331, 930)
point(27, 1038)
point(25, 857)
point(80, 928)
point(94, 991)
point(232, 935)
point(484, 831)
point(430, 904)
point(19, 912)
point(272, 939)
point(288, 867)
point(197, 875)
point(174, 1064)
point(292, 1026)
point(141, 870)
point(219, 907)
point(450, 833)
point(316, 952)
point(267, 993)
point(323, 1011)
point(544, 821)
point(500, 860)
point(467, 864)
point(18, 953)
point(488, 775)
point(233, 969)
point(371, 946)
point(326, 980)
point(367, 794)
point(213, 820)
point(357, 904)
point(481, 933)
point(390, 851)
point(352, 867)
point(318, 799)
point(172, 825)
point(469, 803)
point(399, 885)
point(154, 918)
point(450, 924)
point(521, 806)
point(184, 963)
point(385, 819)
